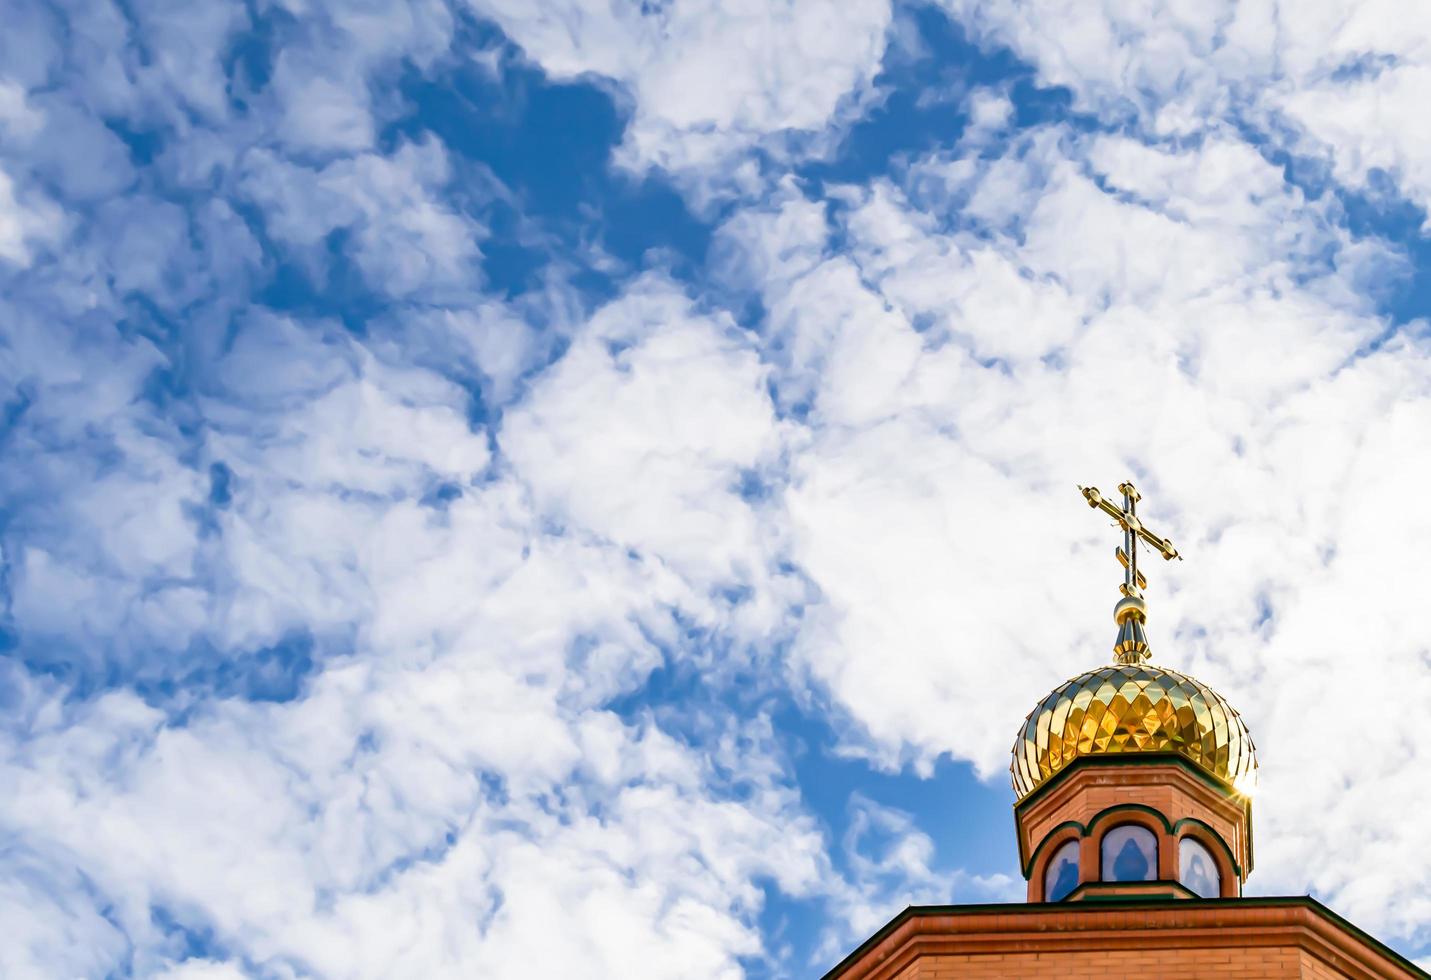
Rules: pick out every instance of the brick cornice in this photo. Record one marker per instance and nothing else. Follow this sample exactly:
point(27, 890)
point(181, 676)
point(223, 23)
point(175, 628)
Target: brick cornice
point(1301, 923)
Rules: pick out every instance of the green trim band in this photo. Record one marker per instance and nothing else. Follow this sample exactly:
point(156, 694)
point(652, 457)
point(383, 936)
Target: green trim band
point(1087, 830)
point(1177, 831)
point(1118, 808)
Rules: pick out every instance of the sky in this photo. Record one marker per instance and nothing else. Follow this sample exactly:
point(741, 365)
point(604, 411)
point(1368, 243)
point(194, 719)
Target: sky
point(498, 488)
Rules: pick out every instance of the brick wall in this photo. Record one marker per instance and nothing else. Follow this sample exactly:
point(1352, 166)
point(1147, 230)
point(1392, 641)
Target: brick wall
point(1158, 940)
point(1086, 790)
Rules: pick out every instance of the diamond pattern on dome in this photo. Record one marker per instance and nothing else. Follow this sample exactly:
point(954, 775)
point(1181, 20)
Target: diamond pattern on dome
point(1133, 708)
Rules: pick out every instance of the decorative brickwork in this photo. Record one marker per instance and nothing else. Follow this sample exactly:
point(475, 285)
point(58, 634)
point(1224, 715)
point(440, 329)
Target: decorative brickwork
point(1169, 797)
point(1170, 940)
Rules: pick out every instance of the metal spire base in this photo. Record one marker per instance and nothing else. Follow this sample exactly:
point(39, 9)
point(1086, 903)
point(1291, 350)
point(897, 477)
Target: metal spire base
point(1131, 647)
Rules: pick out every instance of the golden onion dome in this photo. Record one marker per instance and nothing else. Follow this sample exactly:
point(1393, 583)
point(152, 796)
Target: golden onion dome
point(1133, 708)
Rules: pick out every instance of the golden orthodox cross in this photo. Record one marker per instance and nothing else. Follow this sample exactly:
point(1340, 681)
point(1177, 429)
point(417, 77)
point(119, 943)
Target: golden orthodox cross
point(1131, 611)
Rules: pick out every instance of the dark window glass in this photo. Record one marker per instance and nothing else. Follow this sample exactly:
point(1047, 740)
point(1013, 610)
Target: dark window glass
point(1130, 853)
point(1061, 876)
point(1197, 870)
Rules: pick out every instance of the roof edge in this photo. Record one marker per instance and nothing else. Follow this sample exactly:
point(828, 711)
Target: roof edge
point(1014, 909)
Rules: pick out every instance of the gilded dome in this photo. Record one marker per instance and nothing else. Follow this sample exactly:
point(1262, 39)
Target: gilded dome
point(1133, 708)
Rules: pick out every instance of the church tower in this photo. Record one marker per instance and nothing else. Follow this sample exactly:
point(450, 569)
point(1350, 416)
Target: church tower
point(1133, 813)
point(1133, 780)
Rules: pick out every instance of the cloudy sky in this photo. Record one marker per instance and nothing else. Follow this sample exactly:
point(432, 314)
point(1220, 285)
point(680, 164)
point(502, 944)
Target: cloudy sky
point(589, 486)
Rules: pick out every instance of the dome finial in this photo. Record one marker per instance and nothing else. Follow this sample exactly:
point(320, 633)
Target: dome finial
point(1131, 613)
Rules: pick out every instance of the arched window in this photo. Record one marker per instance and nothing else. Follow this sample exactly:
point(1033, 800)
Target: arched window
point(1130, 853)
point(1061, 875)
point(1197, 870)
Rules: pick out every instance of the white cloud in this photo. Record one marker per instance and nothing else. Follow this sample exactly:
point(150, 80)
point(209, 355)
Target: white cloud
point(328, 90)
point(25, 221)
point(290, 832)
point(19, 119)
point(321, 112)
point(196, 969)
point(406, 240)
point(680, 402)
point(990, 112)
point(449, 770)
point(707, 80)
point(53, 932)
point(1343, 77)
point(1369, 125)
point(187, 43)
point(203, 487)
point(891, 867)
point(454, 777)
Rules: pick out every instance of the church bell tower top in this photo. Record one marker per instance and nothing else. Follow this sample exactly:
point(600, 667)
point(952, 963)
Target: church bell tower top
point(1133, 779)
point(1133, 708)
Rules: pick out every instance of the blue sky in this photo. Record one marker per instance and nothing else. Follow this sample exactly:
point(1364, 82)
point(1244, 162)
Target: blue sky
point(469, 467)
